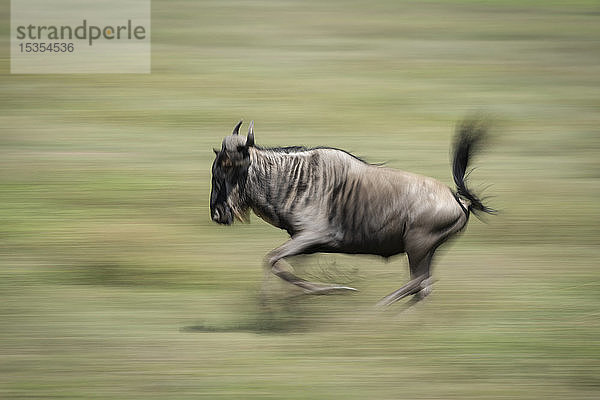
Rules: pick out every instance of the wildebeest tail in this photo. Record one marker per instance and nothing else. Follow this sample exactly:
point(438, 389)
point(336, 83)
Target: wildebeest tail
point(470, 135)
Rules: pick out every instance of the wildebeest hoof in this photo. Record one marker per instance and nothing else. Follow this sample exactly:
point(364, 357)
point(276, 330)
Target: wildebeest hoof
point(426, 290)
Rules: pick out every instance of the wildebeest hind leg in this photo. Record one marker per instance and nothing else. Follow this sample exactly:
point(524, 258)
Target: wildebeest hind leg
point(419, 284)
point(293, 247)
point(411, 287)
point(420, 252)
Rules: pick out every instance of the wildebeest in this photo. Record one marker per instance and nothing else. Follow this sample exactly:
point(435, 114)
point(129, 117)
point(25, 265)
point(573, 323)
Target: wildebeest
point(329, 200)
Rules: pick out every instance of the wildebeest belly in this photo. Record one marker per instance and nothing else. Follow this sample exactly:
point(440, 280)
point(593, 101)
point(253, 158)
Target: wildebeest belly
point(386, 248)
point(364, 242)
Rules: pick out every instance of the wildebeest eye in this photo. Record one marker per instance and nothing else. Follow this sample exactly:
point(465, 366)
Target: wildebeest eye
point(226, 163)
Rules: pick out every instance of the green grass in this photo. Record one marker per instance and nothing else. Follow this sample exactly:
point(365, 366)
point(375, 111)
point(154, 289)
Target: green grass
point(114, 283)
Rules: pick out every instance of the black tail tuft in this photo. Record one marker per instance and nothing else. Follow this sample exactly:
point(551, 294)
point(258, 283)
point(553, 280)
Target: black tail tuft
point(470, 134)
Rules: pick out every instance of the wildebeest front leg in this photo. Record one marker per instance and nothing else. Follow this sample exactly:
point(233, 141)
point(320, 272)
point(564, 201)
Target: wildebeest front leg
point(296, 246)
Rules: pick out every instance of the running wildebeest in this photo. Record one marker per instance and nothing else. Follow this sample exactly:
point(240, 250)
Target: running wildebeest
point(331, 201)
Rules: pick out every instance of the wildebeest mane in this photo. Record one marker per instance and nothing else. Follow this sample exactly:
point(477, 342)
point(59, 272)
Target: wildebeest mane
point(301, 149)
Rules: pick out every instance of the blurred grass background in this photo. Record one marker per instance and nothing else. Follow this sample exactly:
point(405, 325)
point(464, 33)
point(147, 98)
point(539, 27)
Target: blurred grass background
point(114, 283)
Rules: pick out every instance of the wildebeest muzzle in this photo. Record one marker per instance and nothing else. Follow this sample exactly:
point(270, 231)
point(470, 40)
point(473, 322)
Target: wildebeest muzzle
point(222, 214)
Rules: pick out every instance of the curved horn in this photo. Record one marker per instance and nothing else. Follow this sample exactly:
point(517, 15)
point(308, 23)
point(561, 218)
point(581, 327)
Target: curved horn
point(236, 130)
point(250, 138)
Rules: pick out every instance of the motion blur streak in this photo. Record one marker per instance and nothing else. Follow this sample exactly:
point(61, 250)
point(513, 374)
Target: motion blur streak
point(115, 283)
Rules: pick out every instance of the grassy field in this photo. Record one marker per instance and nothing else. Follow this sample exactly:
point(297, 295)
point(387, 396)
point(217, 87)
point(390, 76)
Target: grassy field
point(114, 283)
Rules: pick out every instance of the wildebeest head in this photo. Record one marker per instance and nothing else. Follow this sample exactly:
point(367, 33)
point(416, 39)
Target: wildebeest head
point(229, 173)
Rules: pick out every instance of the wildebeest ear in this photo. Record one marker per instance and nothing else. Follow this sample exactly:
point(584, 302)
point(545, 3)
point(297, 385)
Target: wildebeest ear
point(250, 138)
point(236, 130)
point(216, 151)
